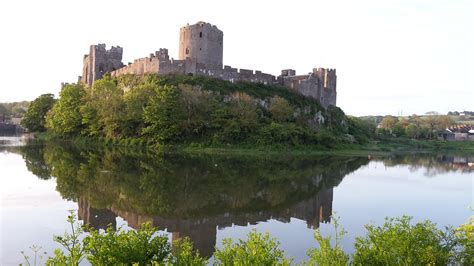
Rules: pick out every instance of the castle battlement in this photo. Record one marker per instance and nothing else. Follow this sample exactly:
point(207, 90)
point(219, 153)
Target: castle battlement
point(201, 53)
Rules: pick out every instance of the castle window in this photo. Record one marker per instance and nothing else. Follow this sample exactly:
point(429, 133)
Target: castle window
point(187, 50)
point(200, 34)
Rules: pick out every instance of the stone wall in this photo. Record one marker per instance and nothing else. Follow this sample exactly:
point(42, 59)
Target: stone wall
point(200, 53)
point(100, 61)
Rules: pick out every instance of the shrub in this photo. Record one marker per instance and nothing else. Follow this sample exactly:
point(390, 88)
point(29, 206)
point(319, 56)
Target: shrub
point(397, 242)
point(327, 254)
point(465, 240)
point(112, 247)
point(71, 243)
point(258, 249)
point(184, 255)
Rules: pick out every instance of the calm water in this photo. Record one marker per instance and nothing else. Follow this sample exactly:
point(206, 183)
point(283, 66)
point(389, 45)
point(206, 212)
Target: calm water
point(209, 198)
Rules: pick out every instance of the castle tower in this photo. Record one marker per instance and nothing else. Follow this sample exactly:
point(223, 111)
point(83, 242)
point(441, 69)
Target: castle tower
point(100, 61)
point(202, 42)
point(328, 78)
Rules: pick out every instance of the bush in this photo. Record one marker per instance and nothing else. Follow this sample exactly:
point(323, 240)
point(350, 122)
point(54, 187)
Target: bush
point(465, 241)
point(327, 254)
point(397, 242)
point(143, 246)
point(184, 255)
point(71, 243)
point(258, 249)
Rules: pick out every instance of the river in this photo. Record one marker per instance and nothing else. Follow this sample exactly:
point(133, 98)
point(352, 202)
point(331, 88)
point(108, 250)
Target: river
point(209, 198)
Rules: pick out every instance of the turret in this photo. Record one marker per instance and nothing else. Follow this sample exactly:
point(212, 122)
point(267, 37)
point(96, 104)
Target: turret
point(202, 42)
point(100, 61)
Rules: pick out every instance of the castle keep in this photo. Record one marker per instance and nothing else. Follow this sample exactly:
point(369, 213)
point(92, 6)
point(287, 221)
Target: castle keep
point(201, 53)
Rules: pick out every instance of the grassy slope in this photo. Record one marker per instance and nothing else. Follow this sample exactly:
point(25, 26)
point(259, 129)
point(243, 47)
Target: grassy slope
point(373, 148)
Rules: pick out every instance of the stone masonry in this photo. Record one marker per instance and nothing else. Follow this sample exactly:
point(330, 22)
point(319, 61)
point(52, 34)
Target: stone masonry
point(100, 61)
point(201, 53)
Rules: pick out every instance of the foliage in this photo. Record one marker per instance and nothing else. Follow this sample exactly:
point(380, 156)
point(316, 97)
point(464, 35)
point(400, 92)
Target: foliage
point(163, 114)
point(184, 254)
point(326, 254)
point(280, 109)
point(65, 117)
point(465, 240)
point(34, 119)
point(400, 243)
point(416, 127)
point(389, 122)
point(397, 242)
point(258, 249)
point(119, 247)
point(3, 110)
point(160, 109)
point(75, 250)
point(127, 247)
point(14, 109)
point(362, 130)
point(105, 105)
point(37, 257)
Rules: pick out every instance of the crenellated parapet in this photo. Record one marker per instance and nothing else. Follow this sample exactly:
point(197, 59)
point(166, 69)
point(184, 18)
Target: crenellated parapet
point(201, 53)
point(100, 61)
point(319, 84)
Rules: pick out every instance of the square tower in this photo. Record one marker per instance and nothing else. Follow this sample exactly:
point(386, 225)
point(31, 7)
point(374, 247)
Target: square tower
point(202, 42)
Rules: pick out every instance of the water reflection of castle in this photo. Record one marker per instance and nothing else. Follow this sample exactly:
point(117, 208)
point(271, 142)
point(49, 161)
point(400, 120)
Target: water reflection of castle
point(203, 230)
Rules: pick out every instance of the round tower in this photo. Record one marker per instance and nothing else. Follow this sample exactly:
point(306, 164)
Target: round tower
point(202, 42)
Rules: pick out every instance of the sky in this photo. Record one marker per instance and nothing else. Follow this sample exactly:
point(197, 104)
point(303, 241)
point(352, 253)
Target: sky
point(392, 57)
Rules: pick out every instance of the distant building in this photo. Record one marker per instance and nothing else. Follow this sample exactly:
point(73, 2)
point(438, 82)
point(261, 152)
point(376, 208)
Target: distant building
point(446, 135)
point(201, 53)
point(459, 132)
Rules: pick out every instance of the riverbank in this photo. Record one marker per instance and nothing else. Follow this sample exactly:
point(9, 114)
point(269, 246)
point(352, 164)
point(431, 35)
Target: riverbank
point(378, 147)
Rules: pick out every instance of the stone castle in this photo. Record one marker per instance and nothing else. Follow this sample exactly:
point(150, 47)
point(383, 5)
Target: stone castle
point(201, 53)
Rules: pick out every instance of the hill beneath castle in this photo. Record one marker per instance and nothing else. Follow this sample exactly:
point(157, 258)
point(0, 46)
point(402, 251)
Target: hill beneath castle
point(176, 109)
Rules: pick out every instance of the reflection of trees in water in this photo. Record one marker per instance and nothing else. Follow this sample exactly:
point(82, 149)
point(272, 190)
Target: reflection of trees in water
point(194, 195)
point(191, 195)
point(184, 186)
point(432, 164)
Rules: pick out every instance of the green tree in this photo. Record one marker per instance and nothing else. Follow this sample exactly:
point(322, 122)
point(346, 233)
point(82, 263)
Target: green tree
point(326, 254)
point(280, 109)
point(412, 131)
point(103, 112)
point(120, 247)
point(65, 117)
point(398, 129)
point(244, 117)
point(445, 121)
point(388, 122)
point(19, 109)
point(3, 110)
point(135, 100)
point(465, 239)
point(163, 115)
point(397, 242)
point(185, 255)
point(197, 109)
point(258, 249)
point(34, 119)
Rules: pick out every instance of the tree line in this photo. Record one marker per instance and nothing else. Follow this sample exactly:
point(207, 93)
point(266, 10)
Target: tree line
point(426, 127)
point(184, 109)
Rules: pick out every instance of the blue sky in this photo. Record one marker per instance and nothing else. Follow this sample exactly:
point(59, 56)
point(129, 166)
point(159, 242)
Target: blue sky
point(391, 56)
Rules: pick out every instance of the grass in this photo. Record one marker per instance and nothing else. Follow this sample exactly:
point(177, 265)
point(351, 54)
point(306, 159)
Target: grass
point(373, 148)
